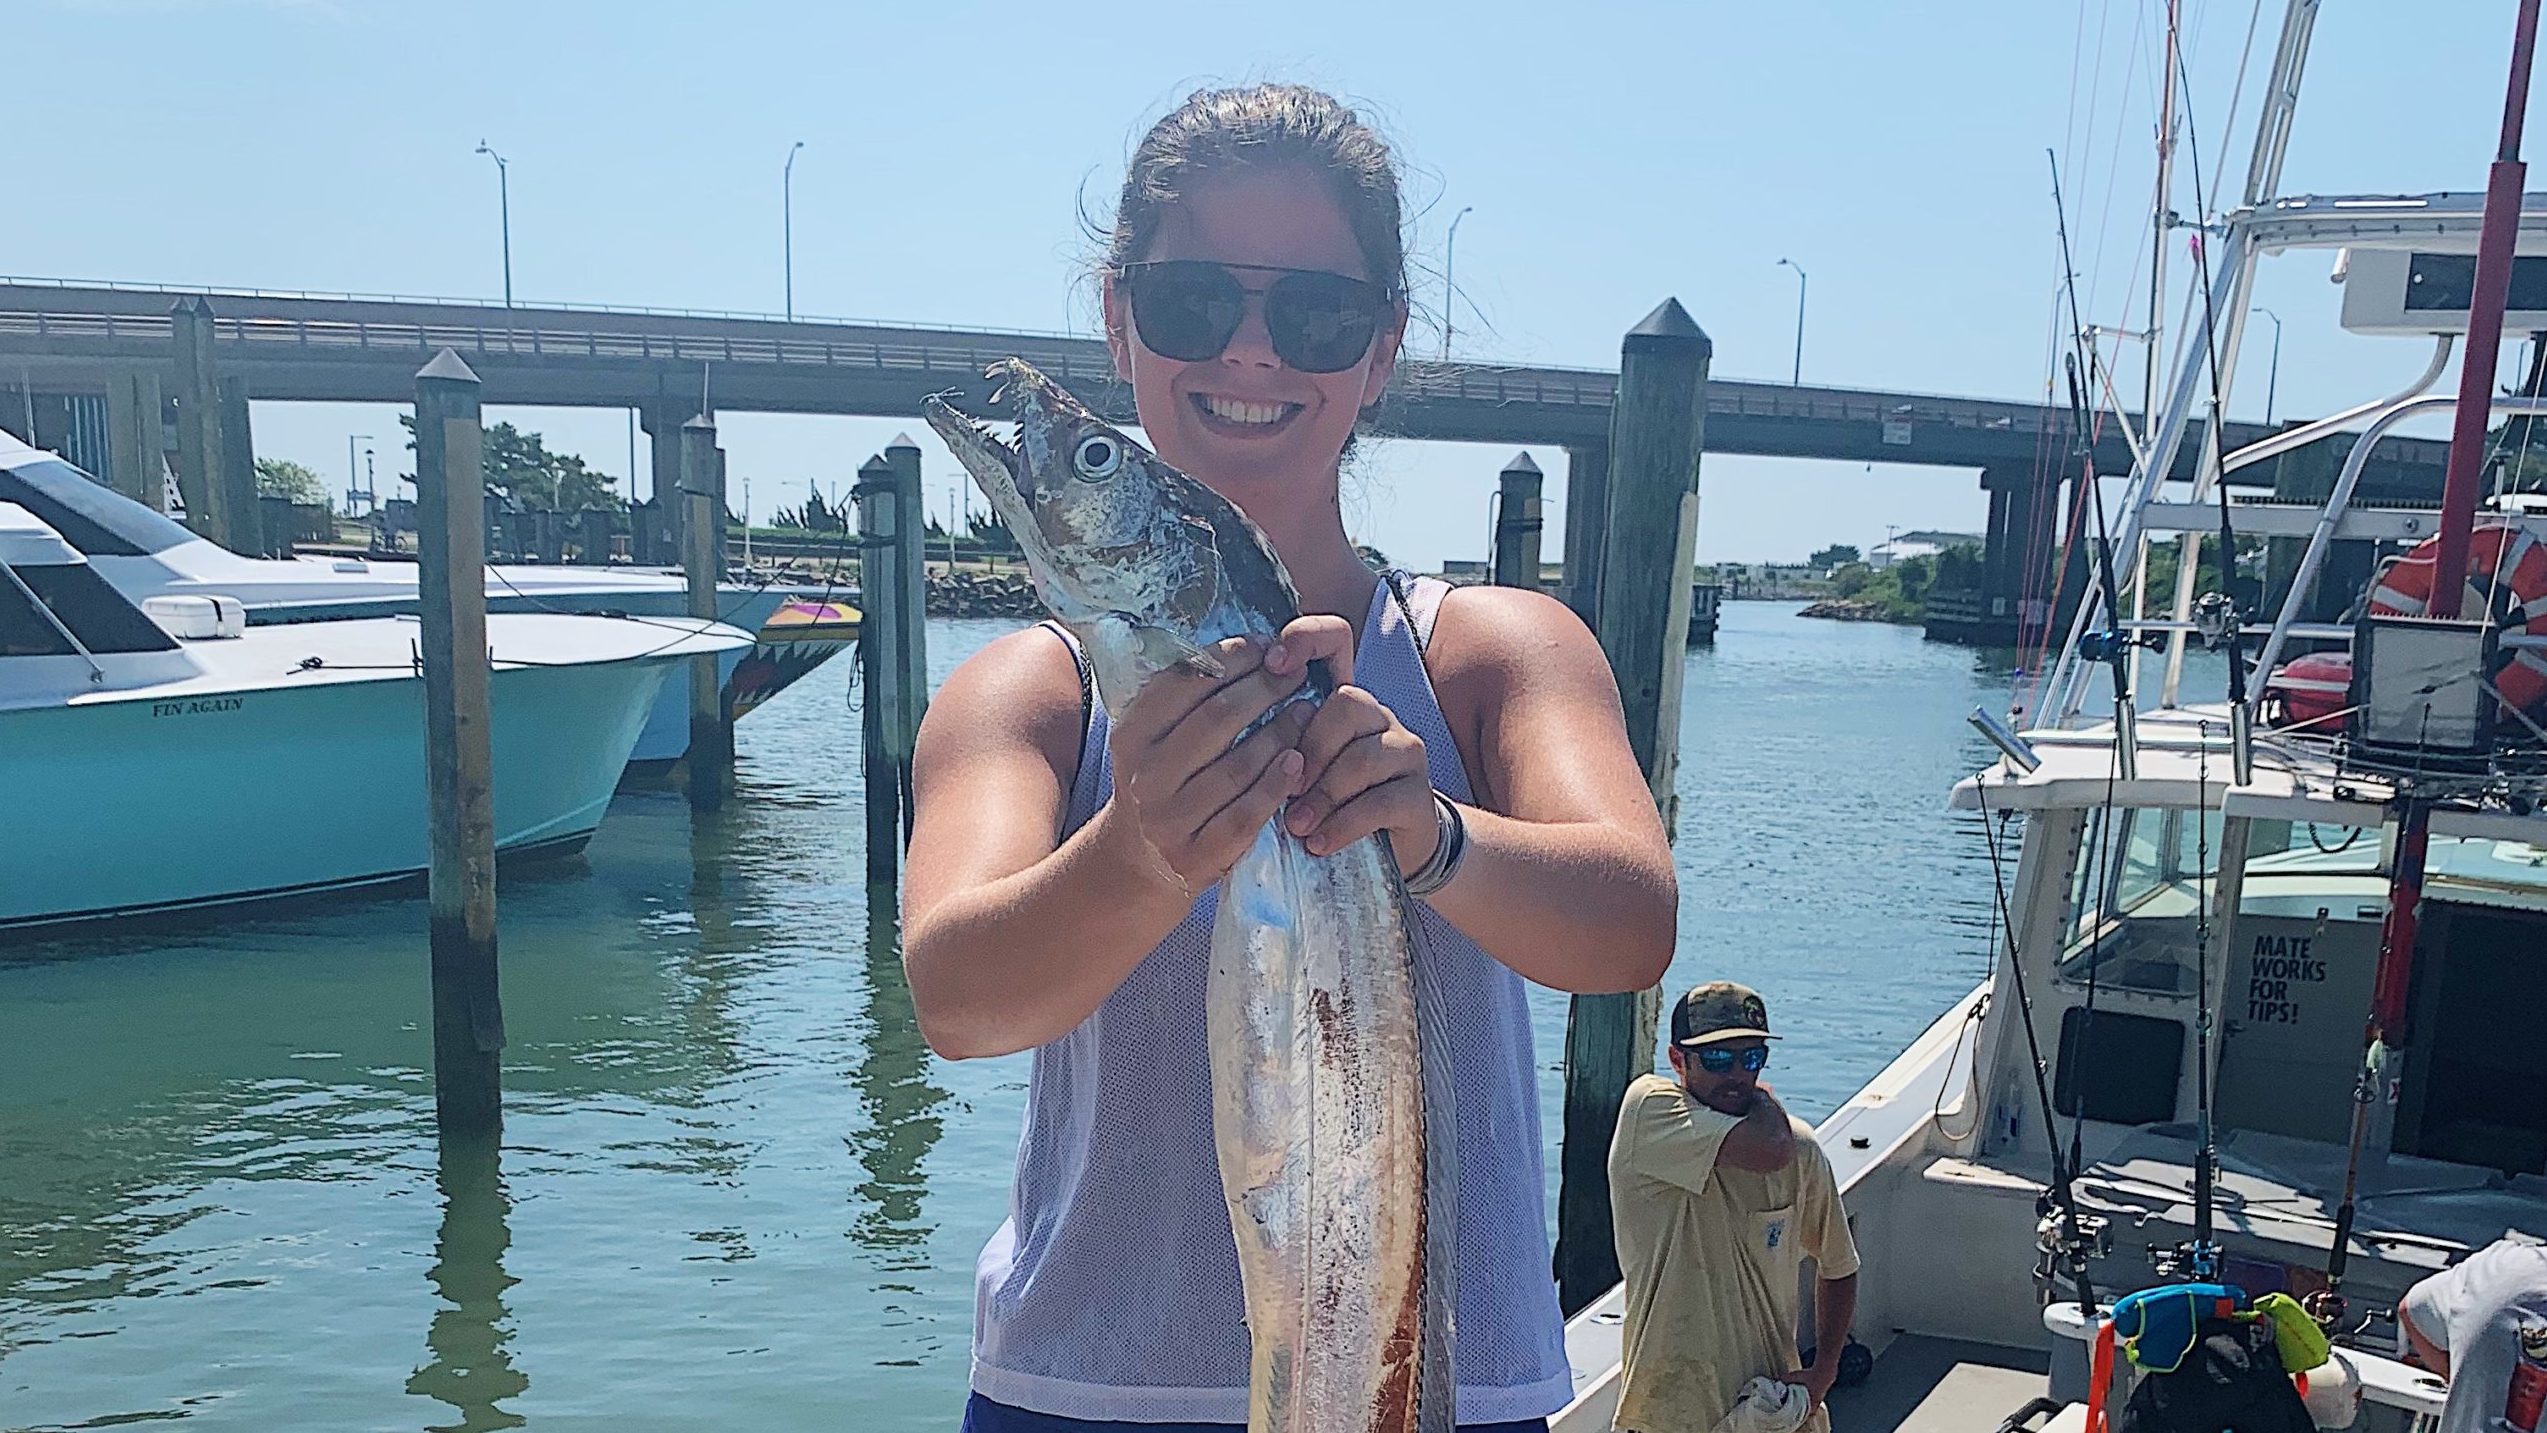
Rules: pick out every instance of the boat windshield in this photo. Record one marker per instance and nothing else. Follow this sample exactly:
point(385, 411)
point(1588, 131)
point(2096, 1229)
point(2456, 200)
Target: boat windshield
point(2141, 878)
point(99, 521)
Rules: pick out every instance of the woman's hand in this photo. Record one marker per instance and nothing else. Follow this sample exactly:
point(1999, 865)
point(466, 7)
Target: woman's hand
point(1361, 770)
point(1194, 800)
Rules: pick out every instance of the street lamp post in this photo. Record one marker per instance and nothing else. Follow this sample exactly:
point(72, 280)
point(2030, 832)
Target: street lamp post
point(787, 223)
point(2273, 377)
point(1801, 283)
point(504, 202)
point(1450, 295)
point(353, 469)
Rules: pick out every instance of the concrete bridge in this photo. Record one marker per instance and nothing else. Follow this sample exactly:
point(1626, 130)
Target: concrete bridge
point(83, 351)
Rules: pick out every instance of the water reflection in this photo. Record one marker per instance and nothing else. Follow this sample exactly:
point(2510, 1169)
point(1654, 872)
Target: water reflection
point(470, 1363)
point(893, 1086)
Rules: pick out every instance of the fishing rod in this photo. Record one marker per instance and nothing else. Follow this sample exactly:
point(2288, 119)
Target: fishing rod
point(2072, 1235)
point(2384, 1035)
point(2220, 623)
point(2112, 645)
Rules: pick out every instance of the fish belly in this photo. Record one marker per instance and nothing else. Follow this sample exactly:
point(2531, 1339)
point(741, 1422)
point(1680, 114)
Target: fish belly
point(1318, 1112)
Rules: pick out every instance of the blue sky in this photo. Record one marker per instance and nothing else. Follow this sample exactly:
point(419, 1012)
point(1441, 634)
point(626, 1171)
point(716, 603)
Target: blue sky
point(1613, 154)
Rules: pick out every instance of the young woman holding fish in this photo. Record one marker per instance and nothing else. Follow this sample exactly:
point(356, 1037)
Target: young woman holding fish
point(1062, 869)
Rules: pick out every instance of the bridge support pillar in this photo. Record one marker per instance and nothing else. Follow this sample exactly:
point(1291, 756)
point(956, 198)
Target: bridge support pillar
point(662, 419)
point(2013, 599)
point(1587, 509)
point(137, 438)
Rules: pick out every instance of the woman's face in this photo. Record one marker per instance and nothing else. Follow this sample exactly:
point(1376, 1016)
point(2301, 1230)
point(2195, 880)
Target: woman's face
point(1257, 430)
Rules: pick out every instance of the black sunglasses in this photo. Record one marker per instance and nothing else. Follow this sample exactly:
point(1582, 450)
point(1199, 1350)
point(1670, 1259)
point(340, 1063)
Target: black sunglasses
point(1189, 309)
point(1720, 1062)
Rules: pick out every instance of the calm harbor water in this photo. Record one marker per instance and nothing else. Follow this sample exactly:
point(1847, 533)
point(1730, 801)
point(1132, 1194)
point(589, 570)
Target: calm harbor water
point(735, 1188)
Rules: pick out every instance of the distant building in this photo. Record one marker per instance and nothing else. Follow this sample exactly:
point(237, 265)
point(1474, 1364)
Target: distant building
point(1923, 543)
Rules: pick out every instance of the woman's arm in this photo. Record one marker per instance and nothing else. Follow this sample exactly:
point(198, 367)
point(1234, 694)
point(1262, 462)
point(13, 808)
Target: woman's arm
point(1011, 937)
point(1568, 875)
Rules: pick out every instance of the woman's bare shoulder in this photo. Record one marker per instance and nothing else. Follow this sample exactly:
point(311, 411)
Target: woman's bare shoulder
point(1506, 634)
point(1021, 689)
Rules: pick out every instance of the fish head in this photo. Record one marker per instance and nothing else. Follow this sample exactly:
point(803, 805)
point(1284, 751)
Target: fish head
point(1118, 541)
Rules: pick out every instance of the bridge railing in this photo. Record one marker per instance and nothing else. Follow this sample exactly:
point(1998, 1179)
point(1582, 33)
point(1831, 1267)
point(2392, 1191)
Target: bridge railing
point(1072, 360)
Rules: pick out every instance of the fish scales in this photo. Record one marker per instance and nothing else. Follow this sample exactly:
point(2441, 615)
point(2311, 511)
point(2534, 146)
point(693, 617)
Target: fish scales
point(1319, 1072)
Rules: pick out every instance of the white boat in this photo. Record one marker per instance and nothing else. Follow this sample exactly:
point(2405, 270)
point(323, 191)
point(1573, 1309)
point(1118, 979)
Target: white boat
point(145, 554)
point(2191, 919)
point(166, 755)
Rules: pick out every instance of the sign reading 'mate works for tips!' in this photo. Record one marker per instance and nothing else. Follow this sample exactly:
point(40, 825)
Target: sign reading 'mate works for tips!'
point(2278, 963)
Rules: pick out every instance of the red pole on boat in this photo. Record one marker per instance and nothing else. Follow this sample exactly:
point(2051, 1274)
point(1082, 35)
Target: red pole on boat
point(2493, 287)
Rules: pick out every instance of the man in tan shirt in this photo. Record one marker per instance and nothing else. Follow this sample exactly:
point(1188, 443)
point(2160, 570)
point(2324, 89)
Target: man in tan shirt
point(1717, 1197)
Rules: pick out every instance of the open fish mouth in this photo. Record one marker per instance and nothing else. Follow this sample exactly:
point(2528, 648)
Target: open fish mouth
point(980, 449)
point(1034, 404)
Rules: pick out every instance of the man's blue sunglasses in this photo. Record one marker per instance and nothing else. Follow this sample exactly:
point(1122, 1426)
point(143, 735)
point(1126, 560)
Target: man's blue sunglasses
point(1720, 1062)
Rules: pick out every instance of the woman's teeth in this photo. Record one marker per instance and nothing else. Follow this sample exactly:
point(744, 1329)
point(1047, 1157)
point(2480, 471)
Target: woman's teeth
point(1231, 410)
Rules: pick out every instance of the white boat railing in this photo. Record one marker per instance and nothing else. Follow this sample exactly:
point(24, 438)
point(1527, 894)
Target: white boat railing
point(2305, 578)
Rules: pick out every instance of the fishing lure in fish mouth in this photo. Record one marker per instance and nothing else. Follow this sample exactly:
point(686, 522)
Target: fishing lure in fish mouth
point(1331, 1091)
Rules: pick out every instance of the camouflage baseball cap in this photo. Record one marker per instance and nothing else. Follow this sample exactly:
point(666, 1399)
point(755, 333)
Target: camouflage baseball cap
point(1718, 1011)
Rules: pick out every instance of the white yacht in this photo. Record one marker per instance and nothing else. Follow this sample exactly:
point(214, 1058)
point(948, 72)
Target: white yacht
point(2205, 898)
point(162, 754)
point(145, 554)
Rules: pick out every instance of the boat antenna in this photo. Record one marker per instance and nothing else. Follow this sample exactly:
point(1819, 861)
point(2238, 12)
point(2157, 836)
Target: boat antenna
point(2113, 645)
point(2489, 293)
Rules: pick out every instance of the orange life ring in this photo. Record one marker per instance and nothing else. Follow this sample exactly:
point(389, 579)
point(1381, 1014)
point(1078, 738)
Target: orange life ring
point(2506, 576)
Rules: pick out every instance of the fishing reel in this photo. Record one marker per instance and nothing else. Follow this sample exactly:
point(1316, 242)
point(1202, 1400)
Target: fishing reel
point(2215, 620)
point(2189, 1262)
point(2112, 643)
point(2059, 1251)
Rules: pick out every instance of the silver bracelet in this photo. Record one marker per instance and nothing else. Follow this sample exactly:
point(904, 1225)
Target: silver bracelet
point(1449, 846)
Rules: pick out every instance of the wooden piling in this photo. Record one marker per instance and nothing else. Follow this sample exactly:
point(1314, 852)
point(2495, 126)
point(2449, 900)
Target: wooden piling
point(910, 534)
point(1587, 508)
point(1518, 523)
point(468, 1012)
point(710, 762)
point(237, 473)
point(1657, 430)
point(198, 421)
point(879, 666)
point(136, 441)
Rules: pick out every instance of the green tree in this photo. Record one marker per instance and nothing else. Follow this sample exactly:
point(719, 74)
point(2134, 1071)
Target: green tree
point(283, 478)
point(992, 534)
point(1851, 578)
point(520, 465)
point(1838, 554)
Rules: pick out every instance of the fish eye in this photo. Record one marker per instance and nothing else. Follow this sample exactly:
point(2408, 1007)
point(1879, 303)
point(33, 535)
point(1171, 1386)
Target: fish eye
point(1097, 457)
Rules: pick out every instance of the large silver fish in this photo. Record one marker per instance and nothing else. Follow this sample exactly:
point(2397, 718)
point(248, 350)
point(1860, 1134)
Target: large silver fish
point(1335, 1164)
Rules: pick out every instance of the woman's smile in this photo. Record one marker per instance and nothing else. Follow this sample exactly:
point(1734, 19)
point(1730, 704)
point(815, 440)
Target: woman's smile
point(1242, 418)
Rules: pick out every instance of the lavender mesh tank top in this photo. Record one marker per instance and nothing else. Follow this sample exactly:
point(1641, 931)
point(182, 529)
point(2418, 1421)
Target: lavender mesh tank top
point(1112, 1290)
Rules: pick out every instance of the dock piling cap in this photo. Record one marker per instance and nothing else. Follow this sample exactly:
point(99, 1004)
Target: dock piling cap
point(449, 367)
point(1669, 328)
